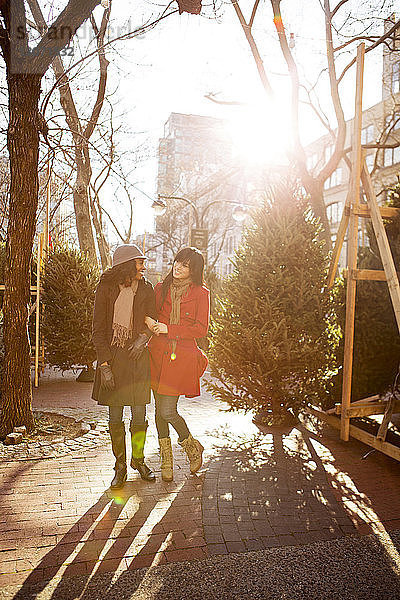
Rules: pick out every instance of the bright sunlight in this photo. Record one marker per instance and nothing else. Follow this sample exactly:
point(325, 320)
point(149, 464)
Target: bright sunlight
point(260, 136)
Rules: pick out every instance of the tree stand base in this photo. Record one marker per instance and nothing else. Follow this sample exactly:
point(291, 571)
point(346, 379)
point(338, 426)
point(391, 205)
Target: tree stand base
point(86, 375)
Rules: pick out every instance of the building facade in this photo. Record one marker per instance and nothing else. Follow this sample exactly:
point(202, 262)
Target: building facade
point(380, 138)
point(195, 164)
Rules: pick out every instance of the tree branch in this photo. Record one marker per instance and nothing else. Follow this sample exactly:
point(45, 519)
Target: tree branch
point(103, 63)
point(60, 33)
point(391, 31)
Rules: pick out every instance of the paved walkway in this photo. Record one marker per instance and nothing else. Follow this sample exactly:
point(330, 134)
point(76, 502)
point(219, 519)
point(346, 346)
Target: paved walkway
point(257, 492)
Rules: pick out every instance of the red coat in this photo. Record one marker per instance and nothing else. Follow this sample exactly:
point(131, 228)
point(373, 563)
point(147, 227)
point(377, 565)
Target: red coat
point(180, 375)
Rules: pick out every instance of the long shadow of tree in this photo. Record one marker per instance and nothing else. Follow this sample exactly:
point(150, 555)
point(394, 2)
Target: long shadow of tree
point(272, 490)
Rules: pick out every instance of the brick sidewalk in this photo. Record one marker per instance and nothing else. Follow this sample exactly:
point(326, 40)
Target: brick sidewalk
point(58, 517)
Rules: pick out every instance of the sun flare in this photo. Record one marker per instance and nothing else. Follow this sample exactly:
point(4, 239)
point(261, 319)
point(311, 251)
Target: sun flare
point(260, 137)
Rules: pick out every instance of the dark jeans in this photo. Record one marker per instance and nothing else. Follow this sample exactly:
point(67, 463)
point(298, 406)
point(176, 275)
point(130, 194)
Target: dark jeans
point(137, 427)
point(166, 413)
point(138, 415)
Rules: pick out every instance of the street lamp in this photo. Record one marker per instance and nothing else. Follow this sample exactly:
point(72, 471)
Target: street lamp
point(159, 207)
point(239, 213)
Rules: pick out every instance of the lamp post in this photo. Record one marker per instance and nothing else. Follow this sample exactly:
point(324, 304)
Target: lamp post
point(198, 236)
point(239, 213)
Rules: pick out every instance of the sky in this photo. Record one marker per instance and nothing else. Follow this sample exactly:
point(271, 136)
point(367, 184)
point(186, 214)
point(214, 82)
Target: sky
point(173, 67)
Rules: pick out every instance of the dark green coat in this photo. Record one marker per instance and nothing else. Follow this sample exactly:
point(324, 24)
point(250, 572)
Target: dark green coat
point(132, 378)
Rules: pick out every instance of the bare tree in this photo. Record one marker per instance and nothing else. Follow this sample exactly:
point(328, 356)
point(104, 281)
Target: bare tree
point(81, 134)
point(313, 181)
point(25, 69)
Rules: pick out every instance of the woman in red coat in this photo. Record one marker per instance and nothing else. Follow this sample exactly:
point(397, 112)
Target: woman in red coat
point(176, 362)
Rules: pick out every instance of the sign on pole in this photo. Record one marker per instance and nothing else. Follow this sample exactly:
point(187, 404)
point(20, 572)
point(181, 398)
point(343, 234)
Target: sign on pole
point(199, 238)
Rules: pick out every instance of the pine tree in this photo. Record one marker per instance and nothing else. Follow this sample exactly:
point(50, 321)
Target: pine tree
point(273, 337)
point(68, 296)
point(376, 355)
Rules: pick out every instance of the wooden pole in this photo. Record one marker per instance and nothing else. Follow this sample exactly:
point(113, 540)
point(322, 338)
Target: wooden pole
point(46, 224)
point(352, 248)
point(37, 325)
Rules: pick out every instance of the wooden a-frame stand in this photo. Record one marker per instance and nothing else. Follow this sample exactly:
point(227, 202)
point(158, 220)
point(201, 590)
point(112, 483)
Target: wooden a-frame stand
point(353, 210)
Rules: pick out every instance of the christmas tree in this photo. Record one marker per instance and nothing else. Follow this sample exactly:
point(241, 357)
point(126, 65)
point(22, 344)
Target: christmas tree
point(376, 354)
point(68, 296)
point(274, 333)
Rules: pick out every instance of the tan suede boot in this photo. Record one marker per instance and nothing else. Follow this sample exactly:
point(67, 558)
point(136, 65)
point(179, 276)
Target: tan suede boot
point(194, 451)
point(167, 472)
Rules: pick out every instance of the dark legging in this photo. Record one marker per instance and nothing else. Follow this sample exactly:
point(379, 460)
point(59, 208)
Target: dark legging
point(166, 413)
point(138, 415)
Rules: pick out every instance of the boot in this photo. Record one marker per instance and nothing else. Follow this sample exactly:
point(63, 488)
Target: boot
point(167, 473)
point(144, 471)
point(138, 438)
point(194, 451)
point(117, 433)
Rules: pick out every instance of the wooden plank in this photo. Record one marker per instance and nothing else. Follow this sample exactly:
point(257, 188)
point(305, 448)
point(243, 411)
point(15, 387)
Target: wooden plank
point(366, 274)
point(344, 222)
point(387, 212)
point(33, 288)
point(383, 244)
point(365, 400)
point(37, 323)
point(370, 275)
point(382, 431)
point(357, 162)
point(357, 433)
point(375, 408)
point(363, 410)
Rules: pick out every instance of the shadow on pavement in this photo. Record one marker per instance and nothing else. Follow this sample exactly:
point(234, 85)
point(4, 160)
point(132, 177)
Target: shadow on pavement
point(279, 494)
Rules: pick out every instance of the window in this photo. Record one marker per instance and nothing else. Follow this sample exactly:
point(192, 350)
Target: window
point(334, 212)
point(334, 179)
point(312, 161)
point(367, 134)
point(392, 122)
point(391, 156)
point(328, 152)
point(396, 78)
point(387, 157)
point(229, 245)
point(369, 159)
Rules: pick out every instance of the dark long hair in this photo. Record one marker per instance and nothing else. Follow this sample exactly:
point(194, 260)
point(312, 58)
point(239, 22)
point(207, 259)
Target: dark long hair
point(121, 274)
point(196, 268)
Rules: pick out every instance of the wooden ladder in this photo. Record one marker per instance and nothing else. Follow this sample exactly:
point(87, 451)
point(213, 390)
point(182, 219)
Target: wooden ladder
point(353, 210)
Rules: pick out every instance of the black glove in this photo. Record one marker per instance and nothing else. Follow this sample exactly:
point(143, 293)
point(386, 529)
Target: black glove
point(135, 350)
point(107, 378)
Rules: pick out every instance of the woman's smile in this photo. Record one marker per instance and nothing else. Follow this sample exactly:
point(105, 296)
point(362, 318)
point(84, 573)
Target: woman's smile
point(180, 270)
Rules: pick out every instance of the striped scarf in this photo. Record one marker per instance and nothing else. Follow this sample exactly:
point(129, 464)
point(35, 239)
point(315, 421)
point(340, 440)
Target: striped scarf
point(178, 289)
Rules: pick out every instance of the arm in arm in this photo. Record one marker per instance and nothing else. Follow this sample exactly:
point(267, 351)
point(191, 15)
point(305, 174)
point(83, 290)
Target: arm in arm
point(200, 327)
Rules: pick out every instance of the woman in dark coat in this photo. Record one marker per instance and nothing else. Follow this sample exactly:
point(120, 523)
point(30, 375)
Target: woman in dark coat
point(177, 363)
point(123, 300)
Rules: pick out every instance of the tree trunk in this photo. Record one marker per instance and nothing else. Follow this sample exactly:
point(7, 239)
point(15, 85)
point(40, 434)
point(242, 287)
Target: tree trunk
point(23, 148)
point(82, 211)
point(102, 244)
point(316, 191)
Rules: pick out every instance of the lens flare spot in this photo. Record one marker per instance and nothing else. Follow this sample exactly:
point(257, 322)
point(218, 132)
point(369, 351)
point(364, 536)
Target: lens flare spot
point(138, 439)
point(173, 356)
point(118, 500)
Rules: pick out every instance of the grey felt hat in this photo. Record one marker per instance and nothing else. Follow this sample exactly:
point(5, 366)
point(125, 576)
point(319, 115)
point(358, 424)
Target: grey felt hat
point(126, 252)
